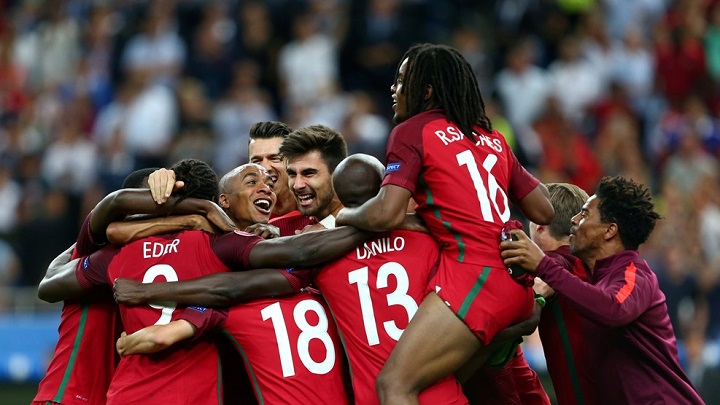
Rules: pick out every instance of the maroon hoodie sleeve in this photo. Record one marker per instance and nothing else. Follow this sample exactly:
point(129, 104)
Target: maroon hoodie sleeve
point(623, 299)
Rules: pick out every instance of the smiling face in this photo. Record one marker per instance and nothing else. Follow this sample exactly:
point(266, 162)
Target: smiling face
point(266, 153)
point(311, 182)
point(247, 195)
point(399, 95)
point(587, 231)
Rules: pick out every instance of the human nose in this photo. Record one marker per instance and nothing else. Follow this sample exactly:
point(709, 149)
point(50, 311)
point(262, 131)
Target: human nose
point(298, 183)
point(574, 219)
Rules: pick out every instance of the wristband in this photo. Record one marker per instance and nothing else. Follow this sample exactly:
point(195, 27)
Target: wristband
point(540, 300)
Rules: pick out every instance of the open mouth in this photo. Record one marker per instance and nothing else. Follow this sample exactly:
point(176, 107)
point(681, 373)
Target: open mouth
point(263, 205)
point(305, 199)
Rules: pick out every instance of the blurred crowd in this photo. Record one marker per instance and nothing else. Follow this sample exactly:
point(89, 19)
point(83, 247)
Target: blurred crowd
point(91, 90)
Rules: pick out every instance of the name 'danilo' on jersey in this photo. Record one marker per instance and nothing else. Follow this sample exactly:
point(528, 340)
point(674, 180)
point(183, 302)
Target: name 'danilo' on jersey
point(456, 135)
point(378, 246)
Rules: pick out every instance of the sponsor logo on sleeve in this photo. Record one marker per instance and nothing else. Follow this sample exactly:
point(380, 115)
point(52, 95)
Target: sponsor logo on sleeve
point(199, 309)
point(86, 263)
point(392, 167)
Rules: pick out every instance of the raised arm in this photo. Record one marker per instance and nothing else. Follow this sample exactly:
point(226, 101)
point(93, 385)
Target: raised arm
point(214, 290)
point(119, 204)
point(124, 232)
point(384, 212)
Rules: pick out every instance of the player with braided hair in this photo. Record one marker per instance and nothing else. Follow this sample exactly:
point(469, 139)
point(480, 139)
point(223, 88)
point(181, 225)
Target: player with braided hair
point(445, 155)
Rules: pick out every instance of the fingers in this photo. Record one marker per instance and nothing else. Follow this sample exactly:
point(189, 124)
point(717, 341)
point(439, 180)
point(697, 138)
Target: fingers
point(162, 182)
point(519, 234)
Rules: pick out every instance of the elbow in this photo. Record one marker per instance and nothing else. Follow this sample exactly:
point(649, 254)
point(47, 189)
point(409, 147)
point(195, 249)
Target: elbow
point(161, 340)
point(45, 293)
point(546, 215)
point(115, 235)
point(385, 221)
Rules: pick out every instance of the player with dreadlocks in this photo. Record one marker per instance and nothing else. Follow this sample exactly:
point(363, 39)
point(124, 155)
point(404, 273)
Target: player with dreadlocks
point(445, 154)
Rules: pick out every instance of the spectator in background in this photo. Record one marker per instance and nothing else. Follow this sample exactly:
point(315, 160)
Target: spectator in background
point(680, 63)
point(195, 138)
point(245, 103)
point(523, 88)
point(211, 59)
point(70, 161)
point(257, 40)
point(10, 196)
point(690, 162)
point(633, 67)
point(149, 120)
point(378, 33)
point(303, 83)
point(51, 51)
point(157, 50)
point(98, 45)
point(574, 82)
point(364, 129)
point(567, 154)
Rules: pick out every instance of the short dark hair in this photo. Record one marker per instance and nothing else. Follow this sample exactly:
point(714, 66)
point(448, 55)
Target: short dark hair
point(327, 141)
point(567, 200)
point(357, 179)
point(269, 129)
point(455, 86)
point(138, 178)
point(630, 206)
point(200, 179)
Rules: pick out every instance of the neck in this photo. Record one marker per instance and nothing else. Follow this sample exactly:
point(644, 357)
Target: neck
point(332, 209)
point(285, 204)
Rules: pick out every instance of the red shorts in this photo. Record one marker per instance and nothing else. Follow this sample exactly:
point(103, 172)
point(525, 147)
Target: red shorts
point(487, 299)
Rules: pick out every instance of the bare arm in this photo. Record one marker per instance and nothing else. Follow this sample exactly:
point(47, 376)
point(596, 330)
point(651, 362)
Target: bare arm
point(384, 212)
point(154, 338)
point(119, 204)
point(124, 232)
point(214, 290)
point(60, 283)
point(307, 249)
point(536, 206)
point(56, 265)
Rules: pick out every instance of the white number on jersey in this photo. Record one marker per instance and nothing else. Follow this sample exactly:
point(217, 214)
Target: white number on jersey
point(486, 196)
point(307, 333)
point(170, 275)
point(397, 297)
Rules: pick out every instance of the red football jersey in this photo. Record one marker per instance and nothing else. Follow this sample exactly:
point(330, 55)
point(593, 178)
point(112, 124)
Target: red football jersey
point(463, 190)
point(564, 336)
point(373, 292)
point(84, 360)
point(187, 372)
point(290, 349)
